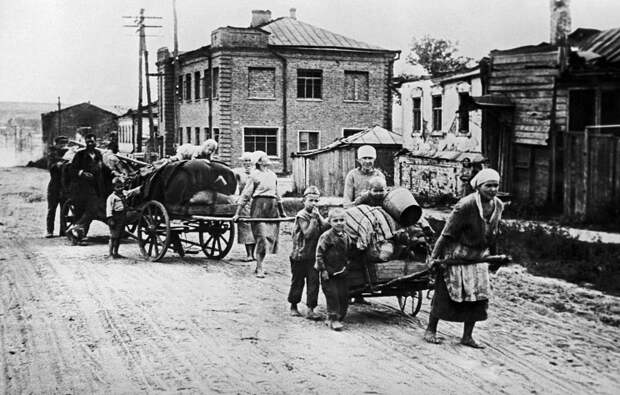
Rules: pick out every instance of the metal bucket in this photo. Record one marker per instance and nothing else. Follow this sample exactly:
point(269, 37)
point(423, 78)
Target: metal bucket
point(402, 206)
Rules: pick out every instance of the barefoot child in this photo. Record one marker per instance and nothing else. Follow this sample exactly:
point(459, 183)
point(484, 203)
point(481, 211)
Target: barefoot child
point(331, 261)
point(115, 209)
point(309, 224)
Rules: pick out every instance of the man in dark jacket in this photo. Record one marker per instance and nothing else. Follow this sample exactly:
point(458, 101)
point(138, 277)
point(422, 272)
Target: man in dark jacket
point(55, 196)
point(90, 193)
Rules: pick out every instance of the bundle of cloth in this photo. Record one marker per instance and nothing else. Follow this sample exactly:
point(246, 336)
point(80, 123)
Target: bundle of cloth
point(378, 235)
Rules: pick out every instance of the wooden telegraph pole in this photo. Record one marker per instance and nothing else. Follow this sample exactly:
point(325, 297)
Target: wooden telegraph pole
point(143, 56)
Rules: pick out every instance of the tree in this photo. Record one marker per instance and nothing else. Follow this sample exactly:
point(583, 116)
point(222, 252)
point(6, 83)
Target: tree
point(436, 55)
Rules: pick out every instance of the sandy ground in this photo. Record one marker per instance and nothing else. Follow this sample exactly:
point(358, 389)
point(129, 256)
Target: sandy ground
point(72, 321)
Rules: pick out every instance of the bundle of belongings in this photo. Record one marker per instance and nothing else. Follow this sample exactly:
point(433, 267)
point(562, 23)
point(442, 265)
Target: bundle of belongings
point(391, 232)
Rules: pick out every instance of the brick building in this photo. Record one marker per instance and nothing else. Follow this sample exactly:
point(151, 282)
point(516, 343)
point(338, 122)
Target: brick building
point(280, 86)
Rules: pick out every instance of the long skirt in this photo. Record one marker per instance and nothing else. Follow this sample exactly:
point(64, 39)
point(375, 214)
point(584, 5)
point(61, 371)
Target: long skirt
point(444, 308)
point(244, 229)
point(265, 233)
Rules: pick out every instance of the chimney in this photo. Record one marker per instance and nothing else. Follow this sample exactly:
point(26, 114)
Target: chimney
point(293, 12)
point(260, 17)
point(560, 21)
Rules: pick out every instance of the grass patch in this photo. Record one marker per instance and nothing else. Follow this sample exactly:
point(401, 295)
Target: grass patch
point(551, 251)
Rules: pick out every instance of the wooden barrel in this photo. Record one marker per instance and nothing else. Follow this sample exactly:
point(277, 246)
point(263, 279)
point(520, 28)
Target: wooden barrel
point(402, 206)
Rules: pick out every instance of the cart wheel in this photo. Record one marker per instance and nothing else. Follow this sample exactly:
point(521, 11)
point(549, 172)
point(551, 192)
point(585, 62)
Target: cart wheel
point(216, 238)
point(153, 231)
point(416, 302)
point(67, 215)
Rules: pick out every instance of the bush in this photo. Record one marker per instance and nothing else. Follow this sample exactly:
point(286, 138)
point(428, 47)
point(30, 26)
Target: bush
point(552, 251)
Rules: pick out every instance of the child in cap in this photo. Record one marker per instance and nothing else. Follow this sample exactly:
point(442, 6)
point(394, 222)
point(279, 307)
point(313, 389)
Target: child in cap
point(309, 224)
point(116, 213)
point(332, 255)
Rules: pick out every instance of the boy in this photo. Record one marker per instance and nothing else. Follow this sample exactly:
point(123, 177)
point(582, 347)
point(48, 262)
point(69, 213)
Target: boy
point(309, 224)
point(115, 210)
point(376, 193)
point(377, 190)
point(331, 261)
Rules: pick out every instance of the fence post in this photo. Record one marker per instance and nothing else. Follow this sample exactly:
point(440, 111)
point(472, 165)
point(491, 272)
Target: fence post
point(586, 172)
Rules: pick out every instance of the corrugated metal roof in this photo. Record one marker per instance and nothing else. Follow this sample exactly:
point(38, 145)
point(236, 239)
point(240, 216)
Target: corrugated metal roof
point(375, 136)
point(605, 43)
point(288, 31)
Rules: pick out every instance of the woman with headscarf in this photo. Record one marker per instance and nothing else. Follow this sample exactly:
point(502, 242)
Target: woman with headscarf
point(462, 290)
point(262, 190)
point(244, 230)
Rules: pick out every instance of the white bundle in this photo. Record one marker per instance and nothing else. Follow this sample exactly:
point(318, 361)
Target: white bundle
point(187, 151)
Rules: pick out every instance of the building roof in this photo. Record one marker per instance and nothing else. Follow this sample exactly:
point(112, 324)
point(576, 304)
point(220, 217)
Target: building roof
point(287, 31)
point(605, 43)
point(455, 156)
point(375, 136)
point(114, 110)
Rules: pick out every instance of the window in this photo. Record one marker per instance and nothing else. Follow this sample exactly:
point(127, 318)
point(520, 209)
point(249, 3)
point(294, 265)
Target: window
point(197, 85)
point(264, 139)
point(197, 133)
point(188, 87)
point(463, 112)
point(309, 84)
point(215, 136)
point(207, 85)
point(216, 82)
point(350, 132)
point(180, 136)
point(262, 83)
point(308, 140)
point(189, 134)
point(180, 87)
point(356, 85)
point(437, 113)
point(417, 114)
point(581, 109)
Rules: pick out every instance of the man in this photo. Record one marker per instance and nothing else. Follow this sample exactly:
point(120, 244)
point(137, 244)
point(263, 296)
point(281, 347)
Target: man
point(357, 180)
point(88, 167)
point(55, 196)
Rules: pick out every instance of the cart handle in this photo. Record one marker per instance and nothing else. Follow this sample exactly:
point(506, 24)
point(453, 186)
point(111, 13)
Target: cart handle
point(244, 219)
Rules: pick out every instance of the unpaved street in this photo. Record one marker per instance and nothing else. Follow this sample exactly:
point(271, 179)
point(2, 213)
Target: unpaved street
point(73, 321)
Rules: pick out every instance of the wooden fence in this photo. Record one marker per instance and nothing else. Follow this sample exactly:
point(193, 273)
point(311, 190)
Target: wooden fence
point(591, 175)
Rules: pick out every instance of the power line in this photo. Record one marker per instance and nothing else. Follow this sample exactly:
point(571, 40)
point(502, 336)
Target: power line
point(143, 59)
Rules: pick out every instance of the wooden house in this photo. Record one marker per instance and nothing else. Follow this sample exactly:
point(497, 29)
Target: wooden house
point(327, 167)
point(551, 122)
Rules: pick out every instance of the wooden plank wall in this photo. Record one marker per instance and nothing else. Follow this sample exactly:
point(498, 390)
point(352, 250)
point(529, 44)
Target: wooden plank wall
point(527, 79)
point(591, 175)
point(327, 170)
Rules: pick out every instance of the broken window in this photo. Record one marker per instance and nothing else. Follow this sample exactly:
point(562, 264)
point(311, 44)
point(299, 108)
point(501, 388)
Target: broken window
point(262, 82)
point(356, 85)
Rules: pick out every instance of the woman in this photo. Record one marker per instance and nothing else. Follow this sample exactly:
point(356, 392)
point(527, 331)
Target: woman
point(462, 290)
point(244, 230)
point(261, 189)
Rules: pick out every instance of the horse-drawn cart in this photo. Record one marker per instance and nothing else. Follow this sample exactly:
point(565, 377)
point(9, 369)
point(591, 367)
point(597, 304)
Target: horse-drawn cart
point(186, 206)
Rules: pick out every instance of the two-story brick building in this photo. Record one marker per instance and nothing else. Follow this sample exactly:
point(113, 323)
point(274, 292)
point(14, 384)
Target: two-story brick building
point(280, 86)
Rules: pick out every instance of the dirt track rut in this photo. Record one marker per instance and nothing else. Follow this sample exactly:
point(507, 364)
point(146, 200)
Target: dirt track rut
point(73, 321)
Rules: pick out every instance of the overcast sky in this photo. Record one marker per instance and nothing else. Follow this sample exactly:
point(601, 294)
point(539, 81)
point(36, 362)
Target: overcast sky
point(78, 49)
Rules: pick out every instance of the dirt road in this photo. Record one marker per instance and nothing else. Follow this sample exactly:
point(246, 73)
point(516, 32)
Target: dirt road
point(72, 321)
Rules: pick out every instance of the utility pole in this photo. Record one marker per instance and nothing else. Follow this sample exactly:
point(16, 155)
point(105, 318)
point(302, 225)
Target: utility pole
point(143, 57)
point(176, 69)
point(59, 121)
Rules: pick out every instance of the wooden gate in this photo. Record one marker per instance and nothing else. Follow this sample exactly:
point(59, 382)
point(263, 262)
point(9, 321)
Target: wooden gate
point(591, 175)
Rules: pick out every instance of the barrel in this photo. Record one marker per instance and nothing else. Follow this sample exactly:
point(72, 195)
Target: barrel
point(402, 206)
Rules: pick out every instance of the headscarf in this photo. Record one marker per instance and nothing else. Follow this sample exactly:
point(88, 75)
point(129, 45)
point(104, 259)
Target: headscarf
point(258, 155)
point(245, 156)
point(484, 175)
point(366, 151)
